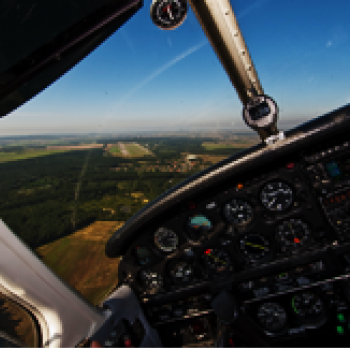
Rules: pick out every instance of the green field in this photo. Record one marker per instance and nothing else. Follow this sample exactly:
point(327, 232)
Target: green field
point(80, 260)
point(27, 154)
point(115, 149)
point(213, 146)
point(135, 150)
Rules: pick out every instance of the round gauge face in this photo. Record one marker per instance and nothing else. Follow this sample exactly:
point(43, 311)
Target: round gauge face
point(293, 234)
point(166, 240)
point(216, 260)
point(277, 196)
point(151, 280)
point(197, 226)
point(272, 316)
point(308, 306)
point(168, 14)
point(238, 211)
point(254, 247)
point(182, 272)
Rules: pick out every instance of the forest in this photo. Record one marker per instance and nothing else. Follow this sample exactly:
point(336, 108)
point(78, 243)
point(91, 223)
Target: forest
point(48, 197)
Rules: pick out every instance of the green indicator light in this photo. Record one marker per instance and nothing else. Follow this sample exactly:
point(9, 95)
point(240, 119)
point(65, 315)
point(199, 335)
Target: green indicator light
point(341, 317)
point(340, 330)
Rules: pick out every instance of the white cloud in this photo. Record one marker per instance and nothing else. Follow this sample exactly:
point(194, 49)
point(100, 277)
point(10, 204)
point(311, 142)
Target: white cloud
point(329, 43)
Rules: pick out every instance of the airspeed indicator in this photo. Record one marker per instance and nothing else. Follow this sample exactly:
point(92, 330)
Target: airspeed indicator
point(166, 240)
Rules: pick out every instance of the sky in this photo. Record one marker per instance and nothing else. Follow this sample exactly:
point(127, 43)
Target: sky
point(145, 79)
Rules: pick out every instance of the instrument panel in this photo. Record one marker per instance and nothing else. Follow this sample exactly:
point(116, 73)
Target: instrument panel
point(275, 234)
point(253, 222)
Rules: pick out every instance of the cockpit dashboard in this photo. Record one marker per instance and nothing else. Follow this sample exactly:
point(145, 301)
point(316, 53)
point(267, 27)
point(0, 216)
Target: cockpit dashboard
point(272, 225)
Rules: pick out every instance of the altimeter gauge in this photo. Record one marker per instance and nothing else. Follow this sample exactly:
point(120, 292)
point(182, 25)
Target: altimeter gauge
point(277, 196)
point(168, 14)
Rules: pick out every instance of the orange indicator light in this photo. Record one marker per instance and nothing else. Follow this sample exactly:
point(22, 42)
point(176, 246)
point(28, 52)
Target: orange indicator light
point(240, 186)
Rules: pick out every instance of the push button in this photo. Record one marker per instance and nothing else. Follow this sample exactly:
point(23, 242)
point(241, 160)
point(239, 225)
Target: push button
point(340, 330)
point(341, 317)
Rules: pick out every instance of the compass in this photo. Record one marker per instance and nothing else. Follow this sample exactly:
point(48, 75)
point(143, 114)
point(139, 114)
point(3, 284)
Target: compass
point(168, 14)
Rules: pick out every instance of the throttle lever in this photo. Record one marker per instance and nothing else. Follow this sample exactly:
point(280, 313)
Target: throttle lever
point(230, 314)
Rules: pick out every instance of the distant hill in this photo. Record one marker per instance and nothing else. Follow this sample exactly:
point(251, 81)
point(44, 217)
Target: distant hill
point(79, 259)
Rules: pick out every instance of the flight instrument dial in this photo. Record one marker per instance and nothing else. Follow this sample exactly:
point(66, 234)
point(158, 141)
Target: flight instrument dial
point(238, 211)
point(216, 260)
point(168, 14)
point(293, 234)
point(308, 306)
point(254, 247)
point(272, 316)
point(277, 196)
point(198, 226)
point(166, 240)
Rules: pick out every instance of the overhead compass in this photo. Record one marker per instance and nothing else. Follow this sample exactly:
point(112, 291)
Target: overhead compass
point(168, 14)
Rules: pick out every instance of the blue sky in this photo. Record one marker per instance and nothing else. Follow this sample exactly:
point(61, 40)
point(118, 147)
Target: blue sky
point(143, 78)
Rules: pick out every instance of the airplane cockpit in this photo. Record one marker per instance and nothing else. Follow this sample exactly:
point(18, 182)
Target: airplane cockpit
point(253, 251)
point(270, 228)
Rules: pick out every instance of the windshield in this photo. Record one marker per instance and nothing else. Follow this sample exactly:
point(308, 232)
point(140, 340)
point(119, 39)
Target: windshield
point(143, 112)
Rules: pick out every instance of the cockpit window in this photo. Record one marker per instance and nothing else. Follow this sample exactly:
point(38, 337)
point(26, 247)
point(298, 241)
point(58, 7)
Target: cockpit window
point(145, 111)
